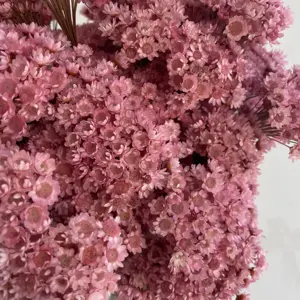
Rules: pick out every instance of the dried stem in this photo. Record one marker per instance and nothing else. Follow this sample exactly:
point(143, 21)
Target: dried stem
point(64, 12)
point(281, 143)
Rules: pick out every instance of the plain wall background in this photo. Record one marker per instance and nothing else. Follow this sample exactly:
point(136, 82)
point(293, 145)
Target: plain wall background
point(279, 203)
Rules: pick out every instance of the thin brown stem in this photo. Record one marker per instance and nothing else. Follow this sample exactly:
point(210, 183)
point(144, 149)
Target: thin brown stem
point(64, 12)
point(279, 142)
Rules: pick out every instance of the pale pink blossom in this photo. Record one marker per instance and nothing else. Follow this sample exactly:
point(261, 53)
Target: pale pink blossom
point(109, 228)
point(20, 161)
point(42, 57)
point(101, 278)
point(163, 225)
point(45, 191)
point(135, 242)
point(36, 218)
point(237, 28)
point(84, 228)
point(114, 254)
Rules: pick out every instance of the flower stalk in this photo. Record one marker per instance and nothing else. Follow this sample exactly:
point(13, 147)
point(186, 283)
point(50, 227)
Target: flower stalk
point(64, 12)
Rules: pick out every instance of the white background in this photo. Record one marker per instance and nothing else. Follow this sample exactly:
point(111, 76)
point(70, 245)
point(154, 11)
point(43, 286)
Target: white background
point(279, 203)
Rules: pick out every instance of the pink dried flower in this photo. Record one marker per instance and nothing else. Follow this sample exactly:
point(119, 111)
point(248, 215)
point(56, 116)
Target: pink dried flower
point(121, 87)
point(59, 284)
point(101, 278)
point(135, 242)
point(115, 253)
point(98, 294)
point(189, 83)
point(177, 64)
point(163, 225)
point(42, 57)
point(45, 191)
point(237, 28)
point(109, 228)
point(36, 218)
point(144, 138)
point(147, 48)
point(279, 117)
point(179, 262)
point(84, 228)
point(20, 161)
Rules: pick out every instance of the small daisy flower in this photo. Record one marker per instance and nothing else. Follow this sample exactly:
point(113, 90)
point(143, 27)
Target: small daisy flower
point(109, 228)
point(149, 90)
point(42, 57)
point(85, 128)
point(130, 36)
point(179, 210)
point(121, 87)
point(280, 117)
point(40, 259)
point(199, 201)
point(79, 277)
point(196, 54)
point(45, 191)
point(148, 48)
point(115, 170)
point(130, 52)
point(36, 218)
point(84, 107)
point(89, 255)
point(179, 262)
point(59, 284)
point(135, 242)
point(20, 161)
point(213, 183)
point(176, 182)
point(238, 97)
point(189, 83)
point(83, 228)
point(237, 28)
point(203, 90)
point(103, 279)
point(101, 117)
point(140, 140)
point(158, 205)
point(13, 236)
point(163, 225)
point(218, 95)
point(177, 65)
point(114, 254)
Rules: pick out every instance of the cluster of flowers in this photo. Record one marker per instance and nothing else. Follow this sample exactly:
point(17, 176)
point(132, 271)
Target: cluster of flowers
point(261, 21)
point(19, 10)
point(130, 165)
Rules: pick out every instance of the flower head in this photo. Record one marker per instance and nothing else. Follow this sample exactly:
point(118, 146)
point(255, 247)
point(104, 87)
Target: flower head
point(36, 218)
point(45, 191)
point(237, 28)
